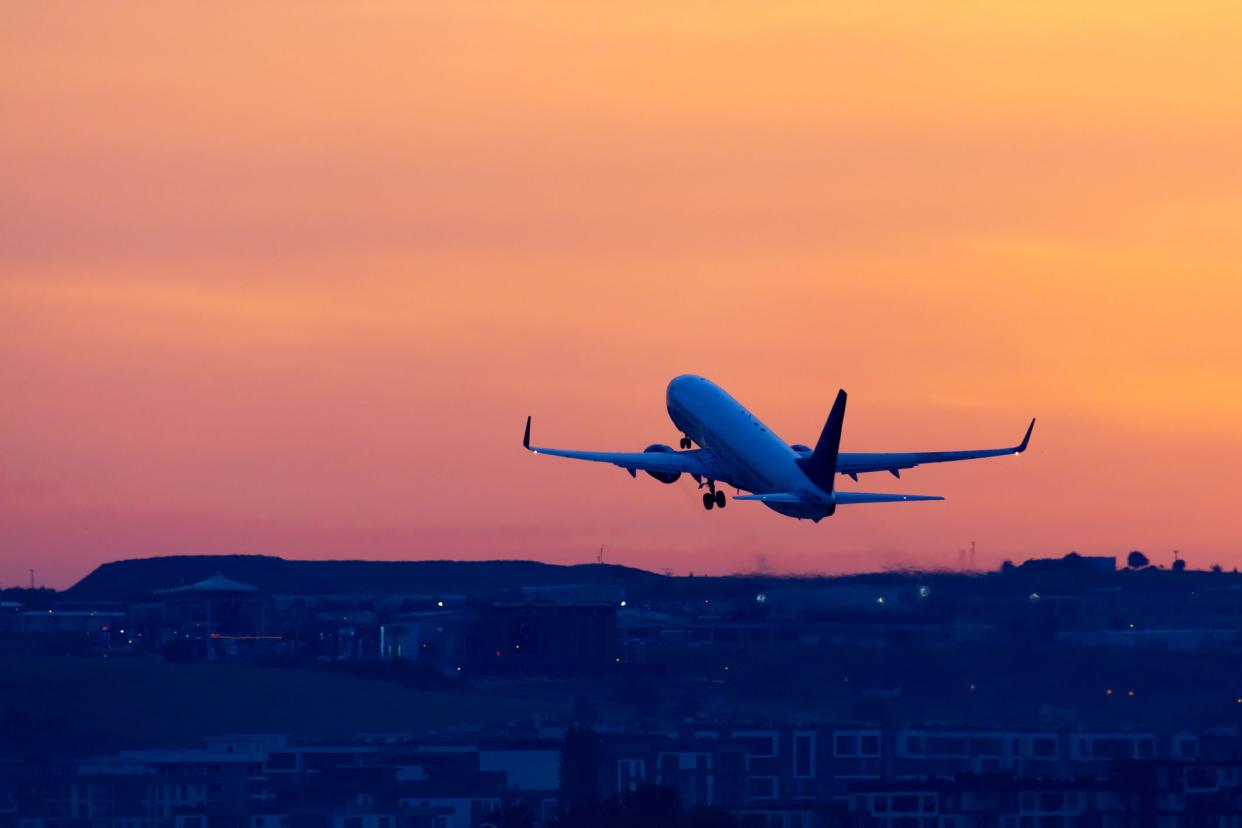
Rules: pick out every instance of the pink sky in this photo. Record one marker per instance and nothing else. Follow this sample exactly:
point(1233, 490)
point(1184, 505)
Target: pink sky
point(288, 281)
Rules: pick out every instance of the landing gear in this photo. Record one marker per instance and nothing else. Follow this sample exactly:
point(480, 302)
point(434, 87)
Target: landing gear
point(713, 497)
point(686, 442)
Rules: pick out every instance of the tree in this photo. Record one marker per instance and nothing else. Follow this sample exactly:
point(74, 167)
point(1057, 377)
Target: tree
point(651, 805)
point(1137, 560)
point(579, 767)
point(517, 815)
point(702, 816)
point(584, 711)
point(643, 697)
point(647, 806)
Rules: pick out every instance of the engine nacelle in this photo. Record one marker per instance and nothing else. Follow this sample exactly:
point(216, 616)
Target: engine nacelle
point(801, 449)
point(663, 477)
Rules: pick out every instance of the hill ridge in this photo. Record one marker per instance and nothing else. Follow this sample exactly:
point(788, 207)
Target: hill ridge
point(132, 578)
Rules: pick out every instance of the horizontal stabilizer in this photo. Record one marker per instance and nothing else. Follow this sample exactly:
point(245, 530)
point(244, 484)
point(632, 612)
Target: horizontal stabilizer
point(842, 498)
point(778, 497)
point(849, 498)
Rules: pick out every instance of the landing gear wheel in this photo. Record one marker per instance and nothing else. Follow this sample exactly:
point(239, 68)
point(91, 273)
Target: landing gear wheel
point(685, 442)
point(720, 499)
point(708, 500)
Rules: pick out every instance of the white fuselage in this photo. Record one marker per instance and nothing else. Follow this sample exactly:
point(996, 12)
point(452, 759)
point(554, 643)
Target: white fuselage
point(749, 455)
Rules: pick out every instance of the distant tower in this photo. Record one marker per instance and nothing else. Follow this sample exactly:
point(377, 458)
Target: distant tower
point(599, 559)
point(972, 556)
point(32, 578)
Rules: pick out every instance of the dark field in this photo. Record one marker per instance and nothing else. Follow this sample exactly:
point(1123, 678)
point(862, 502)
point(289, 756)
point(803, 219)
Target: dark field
point(144, 702)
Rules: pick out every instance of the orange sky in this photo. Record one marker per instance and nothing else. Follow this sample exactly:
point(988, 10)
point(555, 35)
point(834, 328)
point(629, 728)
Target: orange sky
point(288, 279)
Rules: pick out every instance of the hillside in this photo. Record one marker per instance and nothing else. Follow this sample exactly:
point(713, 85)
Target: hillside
point(132, 579)
point(137, 578)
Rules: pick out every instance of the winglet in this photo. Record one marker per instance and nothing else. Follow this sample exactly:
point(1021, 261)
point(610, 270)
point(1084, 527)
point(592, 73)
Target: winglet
point(1021, 446)
point(526, 436)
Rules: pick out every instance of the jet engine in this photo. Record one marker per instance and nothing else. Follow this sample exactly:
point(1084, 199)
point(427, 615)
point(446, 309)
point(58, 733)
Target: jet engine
point(663, 477)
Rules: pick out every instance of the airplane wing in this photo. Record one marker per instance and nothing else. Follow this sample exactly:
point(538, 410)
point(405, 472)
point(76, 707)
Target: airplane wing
point(694, 462)
point(854, 464)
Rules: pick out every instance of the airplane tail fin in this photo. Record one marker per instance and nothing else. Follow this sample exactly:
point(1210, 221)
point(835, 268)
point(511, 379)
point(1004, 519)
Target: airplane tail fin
point(821, 465)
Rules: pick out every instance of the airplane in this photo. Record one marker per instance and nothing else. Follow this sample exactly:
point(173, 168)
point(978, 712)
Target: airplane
point(737, 450)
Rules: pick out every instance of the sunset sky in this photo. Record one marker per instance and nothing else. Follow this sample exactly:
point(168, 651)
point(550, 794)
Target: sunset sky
point(287, 277)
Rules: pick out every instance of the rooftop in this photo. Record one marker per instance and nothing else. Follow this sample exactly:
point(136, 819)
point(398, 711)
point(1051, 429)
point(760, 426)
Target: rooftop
point(216, 583)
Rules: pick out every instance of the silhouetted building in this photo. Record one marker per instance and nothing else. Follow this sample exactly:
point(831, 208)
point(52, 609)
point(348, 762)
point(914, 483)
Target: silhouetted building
point(436, 638)
point(543, 637)
point(221, 616)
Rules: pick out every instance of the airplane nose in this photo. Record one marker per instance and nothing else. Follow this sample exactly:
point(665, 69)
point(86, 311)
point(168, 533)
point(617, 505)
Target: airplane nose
point(679, 382)
point(677, 388)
